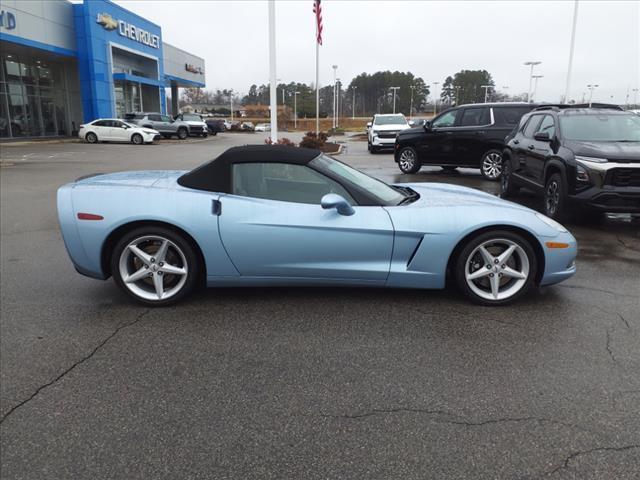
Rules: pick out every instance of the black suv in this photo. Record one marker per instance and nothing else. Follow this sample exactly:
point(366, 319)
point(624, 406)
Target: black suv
point(465, 136)
point(581, 154)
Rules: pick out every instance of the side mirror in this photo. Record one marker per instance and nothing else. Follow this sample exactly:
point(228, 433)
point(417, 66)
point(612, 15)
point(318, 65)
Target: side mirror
point(542, 137)
point(427, 125)
point(368, 124)
point(333, 200)
point(125, 126)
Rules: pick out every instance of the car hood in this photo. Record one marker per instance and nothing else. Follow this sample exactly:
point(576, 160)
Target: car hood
point(195, 123)
point(613, 151)
point(143, 178)
point(448, 195)
point(385, 128)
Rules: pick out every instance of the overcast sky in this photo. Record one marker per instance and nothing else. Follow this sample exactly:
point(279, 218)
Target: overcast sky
point(431, 39)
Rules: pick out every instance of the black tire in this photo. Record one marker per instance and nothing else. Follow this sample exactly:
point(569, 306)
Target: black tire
point(408, 160)
point(205, 135)
point(137, 139)
point(190, 256)
point(182, 133)
point(507, 188)
point(491, 165)
point(368, 146)
point(466, 256)
point(449, 168)
point(91, 137)
point(555, 198)
point(214, 133)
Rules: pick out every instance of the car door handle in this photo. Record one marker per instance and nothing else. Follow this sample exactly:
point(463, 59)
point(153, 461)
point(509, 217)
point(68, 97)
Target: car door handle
point(531, 147)
point(516, 142)
point(216, 207)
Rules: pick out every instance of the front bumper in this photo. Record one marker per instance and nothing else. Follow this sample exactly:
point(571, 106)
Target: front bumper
point(560, 263)
point(383, 142)
point(607, 192)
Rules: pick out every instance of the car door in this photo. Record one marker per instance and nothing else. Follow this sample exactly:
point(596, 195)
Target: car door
point(120, 132)
point(272, 225)
point(470, 135)
point(538, 152)
point(525, 146)
point(435, 145)
point(102, 128)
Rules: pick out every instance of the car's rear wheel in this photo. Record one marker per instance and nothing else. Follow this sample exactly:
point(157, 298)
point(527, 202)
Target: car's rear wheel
point(137, 139)
point(507, 188)
point(91, 137)
point(496, 267)
point(408, 160)
point(491, 165)
point(555, 198)
point(182, 133)
point(154, 265)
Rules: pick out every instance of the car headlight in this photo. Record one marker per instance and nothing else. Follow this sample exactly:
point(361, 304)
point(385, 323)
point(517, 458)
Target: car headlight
point(149, 131)
point(591, 159)
point(551, 222)
point(374, 133)
point(581, 174)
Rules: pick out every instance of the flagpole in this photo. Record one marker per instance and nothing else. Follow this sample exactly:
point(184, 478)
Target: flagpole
point(273, 100)
point(317, 81)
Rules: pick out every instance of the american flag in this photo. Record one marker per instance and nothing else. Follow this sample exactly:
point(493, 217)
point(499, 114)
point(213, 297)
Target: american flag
point(317, 9)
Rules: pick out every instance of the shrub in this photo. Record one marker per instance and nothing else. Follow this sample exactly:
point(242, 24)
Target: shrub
point(281, 141)
point(311, 140)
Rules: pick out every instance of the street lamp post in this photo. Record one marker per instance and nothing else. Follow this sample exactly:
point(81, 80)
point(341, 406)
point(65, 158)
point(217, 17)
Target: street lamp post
point(486, 91)
point(231, 100)
point(457, 89)
point(295, 109)
point(531, 64)
point(353, 103)
point(412, 87)
point(395, 89)
point(535, 86)
point(335, 68)
point(591, 89)
point(338, 88)
point(435, 98)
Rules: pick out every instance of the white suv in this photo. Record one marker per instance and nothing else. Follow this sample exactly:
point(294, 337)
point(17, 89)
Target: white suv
point(382, 130)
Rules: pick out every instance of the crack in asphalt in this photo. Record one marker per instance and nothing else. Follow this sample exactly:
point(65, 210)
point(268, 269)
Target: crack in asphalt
point(582, 287)
point(624, 320)
point(74, 365)
point(625, 245)
point(452, 418)
point(565, 464)
point(608, 346)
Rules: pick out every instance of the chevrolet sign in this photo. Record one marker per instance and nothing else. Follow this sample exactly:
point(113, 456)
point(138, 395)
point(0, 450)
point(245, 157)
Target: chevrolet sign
point(193, 69)
point(128, 30)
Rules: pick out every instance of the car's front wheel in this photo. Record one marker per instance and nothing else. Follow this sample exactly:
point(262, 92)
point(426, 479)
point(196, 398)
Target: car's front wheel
point(154, 265)
point(137, 139)
point(496, 267)
point(555, 198)
point(182, 133)
point(491, 165)
point(408, 160)
point(507, 187)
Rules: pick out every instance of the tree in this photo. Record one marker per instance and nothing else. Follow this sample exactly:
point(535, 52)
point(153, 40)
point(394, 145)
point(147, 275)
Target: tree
point(448, 94)
point(467, 86)
point(373, 94)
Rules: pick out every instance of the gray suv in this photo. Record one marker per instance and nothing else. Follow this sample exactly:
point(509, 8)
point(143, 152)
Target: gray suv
point(162, 123)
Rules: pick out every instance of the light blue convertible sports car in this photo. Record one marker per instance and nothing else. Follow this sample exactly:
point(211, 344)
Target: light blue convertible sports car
point(273, 215)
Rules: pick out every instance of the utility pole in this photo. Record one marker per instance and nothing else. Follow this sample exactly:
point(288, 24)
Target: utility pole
point(573, 42)
point(435, 98)
point(338, 88)
point(295, 109)
point(411, 103)
point(395, 89)
point(231, 100)
point(535, 87)
point(531, 64)
point(335, 68)
point(486, 91)
point(591, 89)
point(353, 103)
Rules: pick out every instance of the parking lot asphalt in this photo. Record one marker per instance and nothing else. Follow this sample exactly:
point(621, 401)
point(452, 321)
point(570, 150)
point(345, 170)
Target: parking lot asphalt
point(331, 383)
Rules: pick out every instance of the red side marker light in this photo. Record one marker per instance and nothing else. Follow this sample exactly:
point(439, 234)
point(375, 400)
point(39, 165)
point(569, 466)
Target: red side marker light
point(89, 216)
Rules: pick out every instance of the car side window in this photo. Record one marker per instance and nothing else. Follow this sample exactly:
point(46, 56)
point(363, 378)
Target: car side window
point(474, 117)
point(284, 182)
point(509, 115)
point(102, 123)
point(155, 118)
point(532, 126)
point(165, 118)
point(446, 120)
point(117, 124)
point(547, 125)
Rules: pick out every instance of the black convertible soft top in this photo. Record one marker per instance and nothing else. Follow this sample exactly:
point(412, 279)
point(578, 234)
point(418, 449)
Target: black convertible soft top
point(215, 176)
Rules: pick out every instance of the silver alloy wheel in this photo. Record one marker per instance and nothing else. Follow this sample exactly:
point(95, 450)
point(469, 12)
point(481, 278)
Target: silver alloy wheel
point(153, 267)
point(497, 269)
point(407, 159)
point(552, 198)
point(137, 139)
point(492, 165)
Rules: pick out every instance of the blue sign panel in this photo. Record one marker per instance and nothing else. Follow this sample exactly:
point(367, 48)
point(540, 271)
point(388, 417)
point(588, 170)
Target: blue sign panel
point(100, 26)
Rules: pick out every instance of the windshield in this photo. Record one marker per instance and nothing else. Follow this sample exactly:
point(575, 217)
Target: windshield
point(391, 120)
point(385, 194)
point(191, 118)
point(601, 128)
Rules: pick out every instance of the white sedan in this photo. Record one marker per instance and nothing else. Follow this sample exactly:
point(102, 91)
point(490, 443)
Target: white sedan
point(263, 127)
point(114, 130)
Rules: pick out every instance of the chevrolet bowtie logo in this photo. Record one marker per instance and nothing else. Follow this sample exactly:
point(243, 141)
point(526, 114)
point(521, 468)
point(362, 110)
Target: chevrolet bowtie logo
point(107, 21)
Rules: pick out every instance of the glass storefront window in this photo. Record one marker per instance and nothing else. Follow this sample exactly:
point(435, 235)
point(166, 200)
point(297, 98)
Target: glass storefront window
point(32, 97)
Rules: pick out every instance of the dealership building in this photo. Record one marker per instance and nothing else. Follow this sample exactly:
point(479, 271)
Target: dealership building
point(63, 64)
